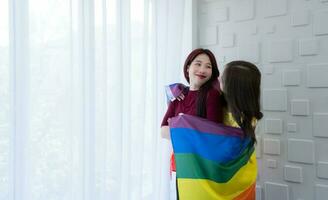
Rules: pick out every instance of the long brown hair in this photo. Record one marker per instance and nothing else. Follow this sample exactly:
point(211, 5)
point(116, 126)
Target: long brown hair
point(241, 89)
point(202, 93)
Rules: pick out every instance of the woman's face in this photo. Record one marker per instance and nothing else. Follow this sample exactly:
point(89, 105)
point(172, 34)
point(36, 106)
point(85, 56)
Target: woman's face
point(199, 71)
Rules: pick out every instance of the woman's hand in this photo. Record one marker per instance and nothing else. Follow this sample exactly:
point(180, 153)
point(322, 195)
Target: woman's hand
point(180, 97)
point(165, 132)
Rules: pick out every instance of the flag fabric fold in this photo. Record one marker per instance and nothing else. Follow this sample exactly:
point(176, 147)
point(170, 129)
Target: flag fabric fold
point(213, 161)
point(174, 90)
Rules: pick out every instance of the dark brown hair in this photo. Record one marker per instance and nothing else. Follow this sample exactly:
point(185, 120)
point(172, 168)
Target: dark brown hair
point(202, 93)
point(241, 89)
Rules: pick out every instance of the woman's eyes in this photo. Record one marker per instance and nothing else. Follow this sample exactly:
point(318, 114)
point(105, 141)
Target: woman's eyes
point(207, 66)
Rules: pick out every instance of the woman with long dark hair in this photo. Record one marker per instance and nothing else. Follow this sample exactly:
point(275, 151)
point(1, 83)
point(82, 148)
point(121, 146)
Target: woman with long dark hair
point(201, 98)
point(240, 84)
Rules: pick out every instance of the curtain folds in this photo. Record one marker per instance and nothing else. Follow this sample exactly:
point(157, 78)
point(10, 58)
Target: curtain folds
point(82, 97)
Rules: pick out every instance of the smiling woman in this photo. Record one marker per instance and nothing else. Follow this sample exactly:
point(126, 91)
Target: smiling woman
point(201, 98)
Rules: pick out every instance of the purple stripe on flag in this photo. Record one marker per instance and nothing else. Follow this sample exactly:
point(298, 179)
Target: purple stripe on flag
point(177, 89)
point(203, 125)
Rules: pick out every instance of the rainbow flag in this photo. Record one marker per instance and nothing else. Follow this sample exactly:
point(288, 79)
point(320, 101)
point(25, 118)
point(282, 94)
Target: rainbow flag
point(172, 91)
point(213, 161)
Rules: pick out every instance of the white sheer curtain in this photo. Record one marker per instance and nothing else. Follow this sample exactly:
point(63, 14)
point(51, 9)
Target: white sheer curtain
point(81, 97)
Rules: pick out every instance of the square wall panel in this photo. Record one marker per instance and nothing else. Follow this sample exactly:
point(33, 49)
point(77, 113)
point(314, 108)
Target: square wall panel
point(227, 40)
point(249, 52)
point(243, 10)
point(317, 75)
point(320, 22)
point(308, 47)
point(300, 107)
point(320, 124)
point(271, 146)
point(271, 163)
point(291, 77)
point(218, 14)
point(208, 36)
point(275, 8)
point(321, 192)
point(281, 51)
point(275, 191)
point(270, 29)
point(268, 69)
point(291, 127)
point(275, 99)
point(300, 151)
point(293, 174)
point(259, 192)
point(273, 126)
point(300, 18)
point(322, 170)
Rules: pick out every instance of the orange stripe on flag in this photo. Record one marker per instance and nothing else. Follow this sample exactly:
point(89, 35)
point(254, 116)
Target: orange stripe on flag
point(248, 194)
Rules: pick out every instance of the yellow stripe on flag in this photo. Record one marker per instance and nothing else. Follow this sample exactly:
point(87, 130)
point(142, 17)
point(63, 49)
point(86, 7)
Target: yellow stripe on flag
point(203, 189)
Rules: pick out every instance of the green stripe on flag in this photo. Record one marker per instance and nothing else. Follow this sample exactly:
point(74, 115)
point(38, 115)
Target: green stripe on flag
point(195, 167)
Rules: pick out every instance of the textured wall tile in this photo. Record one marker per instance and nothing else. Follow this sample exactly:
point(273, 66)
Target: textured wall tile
point(321, 192)
point(208, 35)
point(249, 52)
point(259, 192)
point(291, 127)
point(268, 69)
point(308, 47)
point(281, 51)
point(275, 191)
point(243, 10)
point(322, 170)
point(320, 124)
point(300, 151)
point(218, 14)
point(273, 126)
point(271, 146)
point(253, 29)
point(317, 75)
point(300, 107)
point(300, 18)
point(275, 8)
point(271, 163)
point(270, 29)
point(293, 174)
point(227, 40)
point(275, 99)
point(320, 22)
point(291, 77)
point(321, 150)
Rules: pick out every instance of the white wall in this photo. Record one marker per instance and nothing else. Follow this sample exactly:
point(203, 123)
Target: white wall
point(288, 40)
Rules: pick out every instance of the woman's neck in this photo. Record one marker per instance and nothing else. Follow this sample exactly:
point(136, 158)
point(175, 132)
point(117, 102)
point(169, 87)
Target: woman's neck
point(193, 87)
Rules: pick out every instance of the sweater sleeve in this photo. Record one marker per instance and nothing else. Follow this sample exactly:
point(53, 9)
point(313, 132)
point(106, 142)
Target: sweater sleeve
point(214, 107)
point(169, 114)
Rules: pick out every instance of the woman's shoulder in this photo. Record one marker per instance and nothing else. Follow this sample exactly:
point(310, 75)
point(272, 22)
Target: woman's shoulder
point(229, 120)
